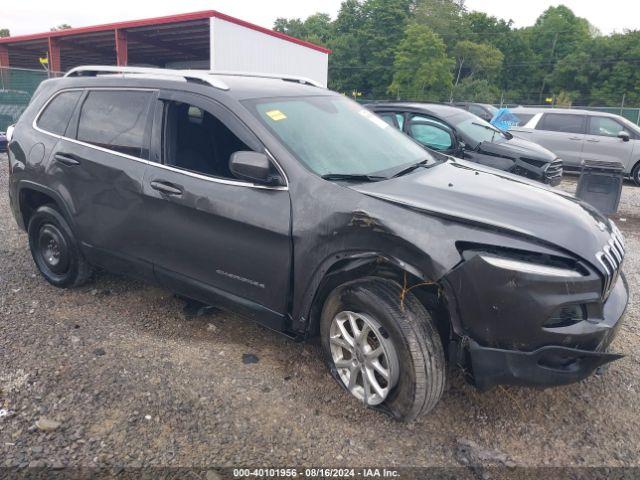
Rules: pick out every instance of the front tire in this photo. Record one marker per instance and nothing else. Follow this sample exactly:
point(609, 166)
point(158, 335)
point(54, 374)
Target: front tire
point(55, 250)
point(383, 347)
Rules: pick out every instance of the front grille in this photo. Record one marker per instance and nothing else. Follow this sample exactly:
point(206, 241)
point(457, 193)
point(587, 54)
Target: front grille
point(554, 170)
point(611, 257)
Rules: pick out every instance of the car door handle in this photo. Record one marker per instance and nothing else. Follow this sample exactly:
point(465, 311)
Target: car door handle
point(575, 138)
point(166, 187)
point(592, 140)
point(66, 159)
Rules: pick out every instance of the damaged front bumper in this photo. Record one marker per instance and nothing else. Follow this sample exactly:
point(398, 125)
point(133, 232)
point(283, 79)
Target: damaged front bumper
point(504, 331)
point(546, 366)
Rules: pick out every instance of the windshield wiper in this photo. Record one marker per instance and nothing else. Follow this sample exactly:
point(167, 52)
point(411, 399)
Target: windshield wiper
point(354, 177)
point(411, 168)
point(494, 130)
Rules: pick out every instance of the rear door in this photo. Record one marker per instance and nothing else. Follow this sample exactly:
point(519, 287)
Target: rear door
point(602, 142)
point(212, 236)
point(563, 134)
point(97, 166)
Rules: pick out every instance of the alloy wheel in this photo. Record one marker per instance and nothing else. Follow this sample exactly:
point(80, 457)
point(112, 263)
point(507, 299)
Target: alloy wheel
point(364, 356)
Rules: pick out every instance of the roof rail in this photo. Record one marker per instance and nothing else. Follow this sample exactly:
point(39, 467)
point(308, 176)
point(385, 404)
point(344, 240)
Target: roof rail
point(285, 77)
point(186, 75)
point(205, 76)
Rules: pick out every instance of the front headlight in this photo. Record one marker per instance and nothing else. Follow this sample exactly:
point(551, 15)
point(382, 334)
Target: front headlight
point(9, 133)
point(528, 267)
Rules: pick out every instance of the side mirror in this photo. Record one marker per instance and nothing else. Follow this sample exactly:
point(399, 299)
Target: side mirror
point(252, 166)
point(623, 135)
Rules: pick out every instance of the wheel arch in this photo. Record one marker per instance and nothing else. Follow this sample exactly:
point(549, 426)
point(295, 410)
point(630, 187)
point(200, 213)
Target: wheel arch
point(32, 195)
point(360, 265)
point(634, 169)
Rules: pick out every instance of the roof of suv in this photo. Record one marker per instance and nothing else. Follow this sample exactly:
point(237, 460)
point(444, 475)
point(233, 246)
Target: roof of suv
point(437, 109)
point(562, 111)
point(238, 85)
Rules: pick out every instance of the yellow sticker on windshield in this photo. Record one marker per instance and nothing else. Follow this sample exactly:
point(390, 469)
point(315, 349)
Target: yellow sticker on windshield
point(276, 115)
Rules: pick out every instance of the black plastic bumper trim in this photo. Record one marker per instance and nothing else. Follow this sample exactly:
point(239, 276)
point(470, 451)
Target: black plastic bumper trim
point(546, 366)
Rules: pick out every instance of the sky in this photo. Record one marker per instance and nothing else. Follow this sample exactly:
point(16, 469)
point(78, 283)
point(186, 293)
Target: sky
point(31, 16)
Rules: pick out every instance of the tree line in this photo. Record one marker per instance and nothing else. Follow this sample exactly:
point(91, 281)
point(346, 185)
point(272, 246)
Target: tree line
point(438, 50)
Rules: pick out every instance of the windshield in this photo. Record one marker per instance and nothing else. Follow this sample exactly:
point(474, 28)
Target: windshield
point(630, 125)
point(474, 130)
point(334, 135)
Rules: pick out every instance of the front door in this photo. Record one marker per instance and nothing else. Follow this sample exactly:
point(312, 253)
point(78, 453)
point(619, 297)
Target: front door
point(563, 134)
point(602, 142)
point(215, 237)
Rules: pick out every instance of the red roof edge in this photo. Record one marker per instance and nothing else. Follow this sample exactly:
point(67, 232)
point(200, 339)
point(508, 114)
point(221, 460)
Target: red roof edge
point(273, 33)
point(183, 17)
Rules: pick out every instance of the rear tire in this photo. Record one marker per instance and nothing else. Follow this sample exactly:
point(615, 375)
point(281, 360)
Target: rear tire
point(411, 354)
point(55, 250)
point(635, 174)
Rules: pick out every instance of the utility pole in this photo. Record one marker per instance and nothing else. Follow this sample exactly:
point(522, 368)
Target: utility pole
point(544, 79)
point(622, 104)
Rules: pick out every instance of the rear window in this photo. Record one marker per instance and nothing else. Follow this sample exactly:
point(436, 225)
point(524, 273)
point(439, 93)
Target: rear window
point(115, 120)
point(558, 122)
point(56, 115)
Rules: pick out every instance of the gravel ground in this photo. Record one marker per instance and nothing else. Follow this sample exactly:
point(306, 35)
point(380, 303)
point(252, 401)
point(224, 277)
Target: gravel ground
point(126, 374)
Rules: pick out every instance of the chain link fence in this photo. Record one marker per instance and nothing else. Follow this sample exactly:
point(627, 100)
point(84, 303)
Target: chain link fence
point(17, 86)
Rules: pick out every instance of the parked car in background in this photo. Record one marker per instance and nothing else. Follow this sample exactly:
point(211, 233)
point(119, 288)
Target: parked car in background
point(485, 111)
point(294, 205)
point(577, 135)
point(455, 132)
point(3, 142)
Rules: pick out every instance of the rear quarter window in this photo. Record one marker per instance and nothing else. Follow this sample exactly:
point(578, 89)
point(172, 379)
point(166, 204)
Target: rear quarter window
point(559, 122)
point(115, 120)
point(523, 118)
point(56, 115)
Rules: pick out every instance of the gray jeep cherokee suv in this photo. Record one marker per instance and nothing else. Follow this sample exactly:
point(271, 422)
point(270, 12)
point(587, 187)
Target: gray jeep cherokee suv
point(311, 215)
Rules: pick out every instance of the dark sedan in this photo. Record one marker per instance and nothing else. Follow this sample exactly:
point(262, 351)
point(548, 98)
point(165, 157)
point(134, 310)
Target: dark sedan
point(456, 132)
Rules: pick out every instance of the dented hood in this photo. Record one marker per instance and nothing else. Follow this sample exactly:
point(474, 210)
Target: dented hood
point(467, 192)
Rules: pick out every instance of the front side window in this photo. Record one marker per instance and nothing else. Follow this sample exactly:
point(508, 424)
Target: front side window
point(558, 122)
point(56, 115)
point(196, 140)
point(604, 126)
point(430, 133)
point(115, 120)
point(334, 135)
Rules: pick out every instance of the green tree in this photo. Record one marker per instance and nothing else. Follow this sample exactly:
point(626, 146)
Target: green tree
point(4, 32)
point(317, 28)
point(443, 17)
point(290, 26)
point(347, 72)
point(422, 70)
point(476, 90)
point(62, 26)
point(382, 30)
point(475, 59)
